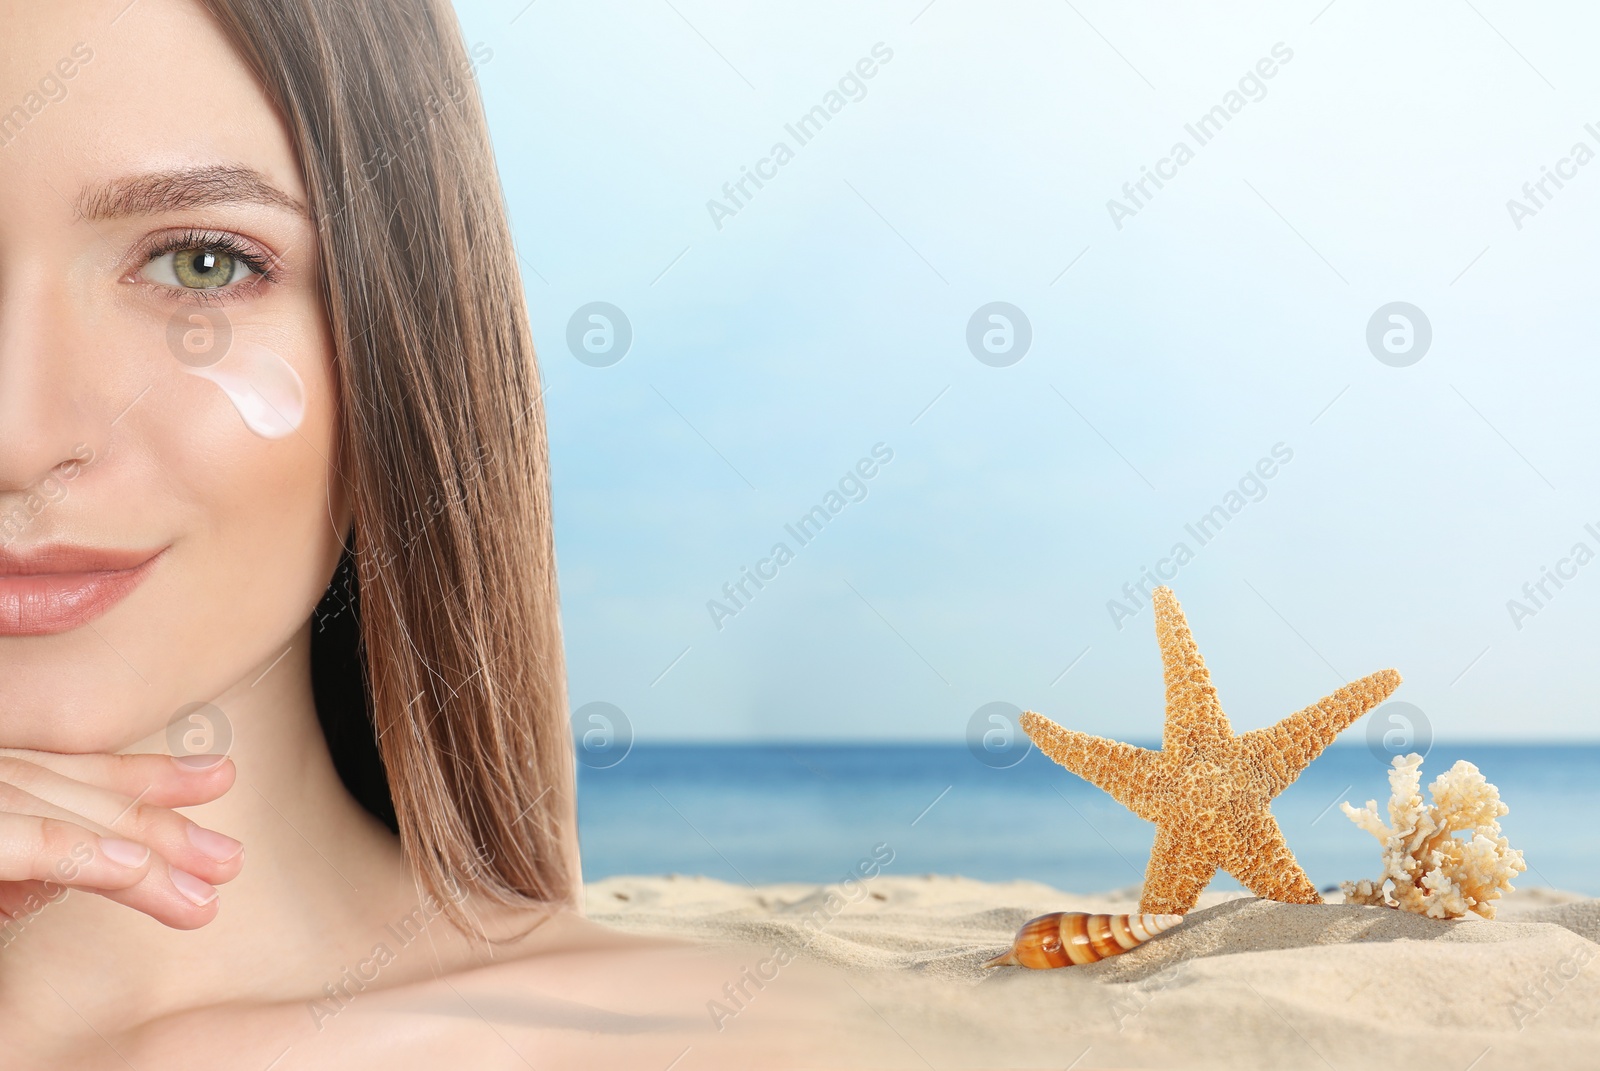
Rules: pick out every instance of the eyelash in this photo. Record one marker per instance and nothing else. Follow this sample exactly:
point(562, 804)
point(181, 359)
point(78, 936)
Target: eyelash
point(266, 269)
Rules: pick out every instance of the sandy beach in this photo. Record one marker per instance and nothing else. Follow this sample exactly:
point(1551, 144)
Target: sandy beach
point(1241, 983)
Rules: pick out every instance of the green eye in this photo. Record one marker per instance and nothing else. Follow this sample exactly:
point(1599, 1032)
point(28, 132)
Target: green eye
point(202, 269)
point(199, 261)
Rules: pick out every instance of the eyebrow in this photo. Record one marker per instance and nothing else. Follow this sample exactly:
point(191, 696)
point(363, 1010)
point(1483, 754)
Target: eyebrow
point(177, 190)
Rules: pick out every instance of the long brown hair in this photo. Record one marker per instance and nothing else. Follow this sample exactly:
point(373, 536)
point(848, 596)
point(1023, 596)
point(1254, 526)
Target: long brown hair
point(442, 689)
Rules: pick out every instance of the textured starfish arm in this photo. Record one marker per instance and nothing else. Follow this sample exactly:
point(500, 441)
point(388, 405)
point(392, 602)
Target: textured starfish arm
point(1195, 720)
point(1260, 858)
point(1127, 772)
point(1180, 866)
point(1284, 749)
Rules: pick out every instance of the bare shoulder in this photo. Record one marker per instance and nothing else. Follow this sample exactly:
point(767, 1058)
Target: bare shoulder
point(587, 995)
point(571, 993)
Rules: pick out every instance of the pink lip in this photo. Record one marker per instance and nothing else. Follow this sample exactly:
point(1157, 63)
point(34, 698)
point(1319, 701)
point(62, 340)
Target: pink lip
point(59, 588)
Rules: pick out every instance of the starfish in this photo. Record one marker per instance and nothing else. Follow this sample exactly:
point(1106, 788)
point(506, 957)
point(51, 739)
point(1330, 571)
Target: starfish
point(1207, 790)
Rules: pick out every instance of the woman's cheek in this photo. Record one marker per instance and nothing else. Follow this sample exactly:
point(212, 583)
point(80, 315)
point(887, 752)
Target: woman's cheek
point(250, 520)
point(249, 361)
point(264, 492)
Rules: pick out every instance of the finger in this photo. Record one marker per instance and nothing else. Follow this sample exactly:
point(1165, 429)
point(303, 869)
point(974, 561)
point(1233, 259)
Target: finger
point(49, 855)
point(179, 841)
point(159, 779)
point(170, 896)
point(35, 848)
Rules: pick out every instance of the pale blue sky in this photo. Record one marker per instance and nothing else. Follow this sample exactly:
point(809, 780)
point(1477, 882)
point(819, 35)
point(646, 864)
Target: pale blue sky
point(1227, 316)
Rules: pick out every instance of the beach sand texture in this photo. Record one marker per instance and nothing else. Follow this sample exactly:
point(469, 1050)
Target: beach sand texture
point(1242, 983)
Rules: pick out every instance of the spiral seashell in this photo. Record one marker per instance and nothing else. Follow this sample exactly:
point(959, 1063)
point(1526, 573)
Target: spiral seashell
point(1065, 938)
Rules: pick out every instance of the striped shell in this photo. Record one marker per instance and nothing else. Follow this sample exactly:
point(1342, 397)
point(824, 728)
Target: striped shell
point(1065, 938)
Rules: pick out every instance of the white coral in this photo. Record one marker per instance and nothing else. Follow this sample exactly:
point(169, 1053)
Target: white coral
point(1433, 872)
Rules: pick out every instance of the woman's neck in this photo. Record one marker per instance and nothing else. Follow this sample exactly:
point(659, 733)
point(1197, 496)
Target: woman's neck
point(323, 882)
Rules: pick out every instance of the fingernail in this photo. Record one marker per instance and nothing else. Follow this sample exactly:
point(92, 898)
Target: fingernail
point(214, 844)
point(198, 762)
point(124, 852)
point(192, 887)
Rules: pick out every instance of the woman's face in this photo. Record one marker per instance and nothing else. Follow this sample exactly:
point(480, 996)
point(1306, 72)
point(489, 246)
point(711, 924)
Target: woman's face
point(166, 377)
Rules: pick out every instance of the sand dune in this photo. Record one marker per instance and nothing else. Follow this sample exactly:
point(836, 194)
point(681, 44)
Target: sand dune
point(1242, 983)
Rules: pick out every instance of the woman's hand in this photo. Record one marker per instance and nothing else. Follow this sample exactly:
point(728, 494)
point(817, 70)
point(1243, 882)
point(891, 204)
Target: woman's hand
point(103, 824)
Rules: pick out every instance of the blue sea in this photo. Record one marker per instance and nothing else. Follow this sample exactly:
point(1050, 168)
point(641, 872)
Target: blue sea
point(812, 812)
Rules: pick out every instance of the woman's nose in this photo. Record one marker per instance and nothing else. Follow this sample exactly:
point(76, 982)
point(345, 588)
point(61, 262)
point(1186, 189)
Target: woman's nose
point(54, 400)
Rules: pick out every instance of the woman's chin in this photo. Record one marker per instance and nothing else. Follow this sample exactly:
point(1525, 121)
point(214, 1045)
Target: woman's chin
point(70, 726)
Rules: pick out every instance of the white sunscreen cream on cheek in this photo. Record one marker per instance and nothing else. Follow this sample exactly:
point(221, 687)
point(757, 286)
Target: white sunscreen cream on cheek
point(265, 390)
